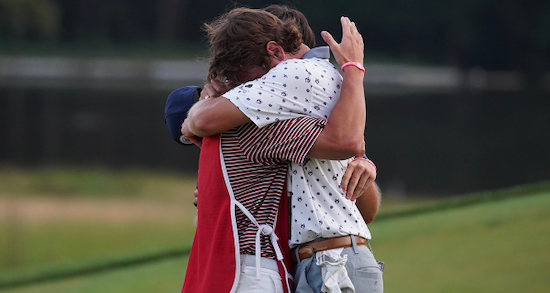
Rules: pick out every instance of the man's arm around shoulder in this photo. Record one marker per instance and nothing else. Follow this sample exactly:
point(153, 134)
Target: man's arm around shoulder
point(214, 115)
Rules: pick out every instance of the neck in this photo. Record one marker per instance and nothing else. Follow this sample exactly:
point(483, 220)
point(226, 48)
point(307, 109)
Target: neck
point(286, 56)
point(299, 54)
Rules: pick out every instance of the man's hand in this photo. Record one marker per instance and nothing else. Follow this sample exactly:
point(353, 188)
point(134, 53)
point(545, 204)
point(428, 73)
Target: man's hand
point(351, 48)
point(196, 195)
point(359, 175)
point(346, 124)
point(189, 134)
point(214, 89)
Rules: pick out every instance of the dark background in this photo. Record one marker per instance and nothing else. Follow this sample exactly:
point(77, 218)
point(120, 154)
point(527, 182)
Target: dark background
point(423, 143)
point(492, 34)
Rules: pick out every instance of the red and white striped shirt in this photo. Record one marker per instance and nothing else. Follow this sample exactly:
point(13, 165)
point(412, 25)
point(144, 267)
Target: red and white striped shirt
point(257, 166)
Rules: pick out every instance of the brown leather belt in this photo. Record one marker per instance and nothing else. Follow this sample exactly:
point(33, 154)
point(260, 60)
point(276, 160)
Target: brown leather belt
point(308, 249)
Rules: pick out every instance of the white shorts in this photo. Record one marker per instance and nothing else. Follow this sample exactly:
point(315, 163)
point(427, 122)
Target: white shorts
point(270, 280)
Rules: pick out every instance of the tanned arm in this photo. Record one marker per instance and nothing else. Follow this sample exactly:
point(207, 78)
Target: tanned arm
point(341, 138)
point(369, 202)
point(346, 123)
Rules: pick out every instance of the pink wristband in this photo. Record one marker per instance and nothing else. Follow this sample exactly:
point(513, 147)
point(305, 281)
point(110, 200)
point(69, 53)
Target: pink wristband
point(367, 161)
point(356, 64)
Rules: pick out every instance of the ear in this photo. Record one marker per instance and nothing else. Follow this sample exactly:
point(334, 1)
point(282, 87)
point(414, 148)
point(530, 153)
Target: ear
point(276, 51)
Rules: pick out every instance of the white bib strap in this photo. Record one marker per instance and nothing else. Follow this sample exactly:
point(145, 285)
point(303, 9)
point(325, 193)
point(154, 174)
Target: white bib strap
point(265, 230)
point(262, 230)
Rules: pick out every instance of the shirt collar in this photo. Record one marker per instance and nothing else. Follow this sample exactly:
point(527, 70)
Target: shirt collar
point(318, 52)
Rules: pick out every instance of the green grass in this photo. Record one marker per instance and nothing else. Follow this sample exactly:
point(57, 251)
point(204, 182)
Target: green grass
point(159, 277)
point(96, 183)
point(493, 246)
point(486, 242)
point(32, 246)
point(112, 215)
point(498, 246)
point(412, 206)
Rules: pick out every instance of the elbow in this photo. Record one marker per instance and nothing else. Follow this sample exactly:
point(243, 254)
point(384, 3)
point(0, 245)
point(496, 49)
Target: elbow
point(345, 149)
point(354, 146)
point(369, 215)
point(369, 218)
point(329, 146)
point(369, 203)
point(359, 148)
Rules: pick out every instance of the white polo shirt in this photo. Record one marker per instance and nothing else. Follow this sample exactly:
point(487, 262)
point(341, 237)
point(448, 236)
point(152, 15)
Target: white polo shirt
point(295, 88)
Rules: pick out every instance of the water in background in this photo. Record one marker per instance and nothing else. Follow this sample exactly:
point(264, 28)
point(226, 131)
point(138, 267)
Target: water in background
point(421, 143)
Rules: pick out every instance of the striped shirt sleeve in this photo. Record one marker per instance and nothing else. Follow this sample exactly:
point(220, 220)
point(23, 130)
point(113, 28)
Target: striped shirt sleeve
point(286, 140)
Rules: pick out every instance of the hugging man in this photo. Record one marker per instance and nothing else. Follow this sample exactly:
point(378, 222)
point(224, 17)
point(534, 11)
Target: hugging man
point(242, 170)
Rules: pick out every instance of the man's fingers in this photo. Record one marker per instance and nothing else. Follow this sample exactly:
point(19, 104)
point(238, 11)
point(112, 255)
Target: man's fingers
point(362, 185)
point(346, 27)
point(357, 35)
point(354, 180)
point(352, 187)
point(357, 178)
point(219, 87)
point(357, 193)
point(207, 90)
point(345, 179)
point(213, 89)
point(358, 184)
point(351, 48)
point(196, 140)
point(190, 135)
point(327, 37)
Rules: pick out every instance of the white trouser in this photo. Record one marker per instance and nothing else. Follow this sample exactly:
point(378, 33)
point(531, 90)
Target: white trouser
point(270, 281)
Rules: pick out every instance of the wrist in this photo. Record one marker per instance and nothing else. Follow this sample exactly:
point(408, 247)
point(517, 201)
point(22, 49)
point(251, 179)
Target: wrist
point(353, 64)
point(367, 160)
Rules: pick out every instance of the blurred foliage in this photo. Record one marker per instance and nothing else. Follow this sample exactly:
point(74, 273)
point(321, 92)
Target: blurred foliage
point(30, 19)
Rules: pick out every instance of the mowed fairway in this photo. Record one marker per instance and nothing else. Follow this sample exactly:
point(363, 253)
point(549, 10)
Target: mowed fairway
point(159, 277)
point(500, 246)
point(494, 246)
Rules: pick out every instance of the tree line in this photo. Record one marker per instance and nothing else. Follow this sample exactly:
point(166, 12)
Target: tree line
point(495, 35)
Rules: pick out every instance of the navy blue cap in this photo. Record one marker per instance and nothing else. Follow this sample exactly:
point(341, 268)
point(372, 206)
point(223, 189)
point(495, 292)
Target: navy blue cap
point(178, 104)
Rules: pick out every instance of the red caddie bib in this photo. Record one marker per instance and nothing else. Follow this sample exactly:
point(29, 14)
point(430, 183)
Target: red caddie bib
point(214, 258)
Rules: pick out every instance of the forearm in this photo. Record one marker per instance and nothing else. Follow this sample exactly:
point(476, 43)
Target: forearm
point(214, 115)
point(369, 202)
point(349, 115)
point(346, 124)
point(343, 136)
